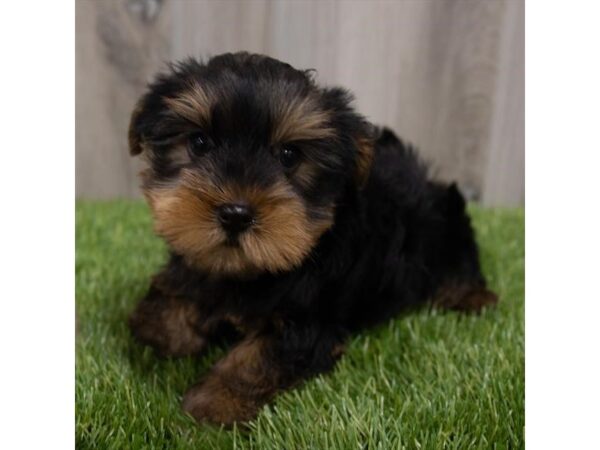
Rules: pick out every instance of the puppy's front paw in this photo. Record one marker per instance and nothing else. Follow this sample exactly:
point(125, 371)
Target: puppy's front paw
point(168, 327)
point(212, 401)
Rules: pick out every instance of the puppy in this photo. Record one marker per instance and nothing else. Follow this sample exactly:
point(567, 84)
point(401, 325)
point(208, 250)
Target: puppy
point(290, 220)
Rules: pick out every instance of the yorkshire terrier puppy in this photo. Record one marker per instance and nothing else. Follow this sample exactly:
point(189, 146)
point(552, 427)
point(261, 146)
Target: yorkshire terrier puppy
point(291, 220)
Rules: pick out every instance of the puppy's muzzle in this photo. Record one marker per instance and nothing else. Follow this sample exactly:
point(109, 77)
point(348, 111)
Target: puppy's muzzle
point(235, 217)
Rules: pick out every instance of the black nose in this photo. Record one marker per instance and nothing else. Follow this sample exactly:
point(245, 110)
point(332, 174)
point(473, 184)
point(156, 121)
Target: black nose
point(235, 218)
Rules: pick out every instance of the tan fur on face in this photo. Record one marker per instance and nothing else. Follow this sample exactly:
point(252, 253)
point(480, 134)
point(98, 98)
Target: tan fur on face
point(305, 174)
point(194, 104)
point(178, 155)
point(280, 239)
point(300, 119)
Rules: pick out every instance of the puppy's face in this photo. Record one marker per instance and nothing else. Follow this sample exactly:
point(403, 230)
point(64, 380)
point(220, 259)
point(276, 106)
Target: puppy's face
point(247, 161)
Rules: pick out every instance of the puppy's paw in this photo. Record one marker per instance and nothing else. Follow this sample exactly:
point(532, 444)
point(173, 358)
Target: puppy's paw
point(478, 299)
point(212, 401)
point(465, 298)
point(168, 327)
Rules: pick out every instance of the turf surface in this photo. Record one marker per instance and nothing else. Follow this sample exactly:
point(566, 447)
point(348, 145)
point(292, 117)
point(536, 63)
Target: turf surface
point(430, 380)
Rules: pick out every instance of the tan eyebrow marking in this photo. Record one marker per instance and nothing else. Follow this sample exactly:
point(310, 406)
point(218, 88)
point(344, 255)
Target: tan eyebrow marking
point(193, 104)
point(300, 119)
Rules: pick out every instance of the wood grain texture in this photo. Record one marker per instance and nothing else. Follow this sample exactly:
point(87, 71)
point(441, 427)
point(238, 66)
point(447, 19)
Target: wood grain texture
point(118, 49)
point(448, 75)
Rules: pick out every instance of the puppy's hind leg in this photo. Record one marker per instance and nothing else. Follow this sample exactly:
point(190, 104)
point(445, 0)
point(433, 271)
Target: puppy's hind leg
point(463, 287)
point(464, 297)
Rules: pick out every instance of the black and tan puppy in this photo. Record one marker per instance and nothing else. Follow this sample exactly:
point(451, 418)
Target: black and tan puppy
point(290, 218)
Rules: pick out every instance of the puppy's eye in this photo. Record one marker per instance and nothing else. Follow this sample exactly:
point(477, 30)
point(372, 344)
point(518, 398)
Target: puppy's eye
point(289, 157)
point(198, 144)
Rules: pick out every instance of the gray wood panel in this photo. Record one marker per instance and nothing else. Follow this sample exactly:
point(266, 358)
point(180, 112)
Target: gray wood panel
point(448, 75)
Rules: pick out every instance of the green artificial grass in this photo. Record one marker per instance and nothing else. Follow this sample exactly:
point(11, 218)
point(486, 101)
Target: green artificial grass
point(425, 381)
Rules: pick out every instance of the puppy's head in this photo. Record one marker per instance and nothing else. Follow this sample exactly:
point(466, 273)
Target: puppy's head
point(247, 159)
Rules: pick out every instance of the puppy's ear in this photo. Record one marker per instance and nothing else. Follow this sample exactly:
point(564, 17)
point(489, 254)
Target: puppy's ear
point(355, 127)
point(134, 136)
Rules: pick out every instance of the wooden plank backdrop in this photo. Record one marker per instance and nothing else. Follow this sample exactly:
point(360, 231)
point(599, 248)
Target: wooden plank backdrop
point(448, 75)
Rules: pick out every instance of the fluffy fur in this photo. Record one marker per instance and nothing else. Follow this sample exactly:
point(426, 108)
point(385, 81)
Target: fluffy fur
point(346, 232)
